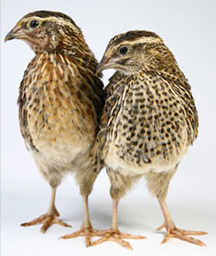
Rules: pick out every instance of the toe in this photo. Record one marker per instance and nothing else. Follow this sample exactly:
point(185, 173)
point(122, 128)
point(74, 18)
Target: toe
point(161, 227)
point(47, 220)
point(47, 223)
point(117, 236)
point(61, 223)
point(184, 235)
point(73, 235)
point(129, 236)
point(192, 233)
point(35, 221)
point(114, 238)
point(188, 239)
point(119, 240)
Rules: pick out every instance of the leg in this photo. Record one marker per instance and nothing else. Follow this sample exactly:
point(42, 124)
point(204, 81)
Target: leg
point(158, 184)
point(119, 185)
point(49, 218)
point(172, 231)
point(113, 234)
point(85, 180)
point(86, 229)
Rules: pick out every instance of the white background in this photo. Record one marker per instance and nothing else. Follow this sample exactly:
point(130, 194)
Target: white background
point(188, 27)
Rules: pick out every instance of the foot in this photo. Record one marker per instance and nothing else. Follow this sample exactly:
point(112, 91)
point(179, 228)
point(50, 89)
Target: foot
point(116, 236)
point(47, 219)
point(181, 234)
point(87, 232)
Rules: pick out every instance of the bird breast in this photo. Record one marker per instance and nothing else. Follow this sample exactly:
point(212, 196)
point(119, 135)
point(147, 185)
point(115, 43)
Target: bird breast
point(149, 130)
point(60, 118)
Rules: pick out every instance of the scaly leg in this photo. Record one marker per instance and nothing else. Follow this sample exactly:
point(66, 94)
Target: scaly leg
point(113, 234)
point(172, 231)
point(51, 217)
point(86, 229)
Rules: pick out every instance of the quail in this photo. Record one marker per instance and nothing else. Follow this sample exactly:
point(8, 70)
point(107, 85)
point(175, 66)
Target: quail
point(60, 103)
point(148, 122)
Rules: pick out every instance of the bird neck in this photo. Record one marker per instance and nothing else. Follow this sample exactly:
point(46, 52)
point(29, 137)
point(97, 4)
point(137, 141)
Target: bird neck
point(77, 49)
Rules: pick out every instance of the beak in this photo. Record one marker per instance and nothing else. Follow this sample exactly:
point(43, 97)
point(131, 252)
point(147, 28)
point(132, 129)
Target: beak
point(15, 33)
point(11, 35)
point(102, 65)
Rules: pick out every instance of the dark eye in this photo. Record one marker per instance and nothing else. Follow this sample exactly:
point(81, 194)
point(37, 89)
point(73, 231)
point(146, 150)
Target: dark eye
point(34, 23)
point(123, 50)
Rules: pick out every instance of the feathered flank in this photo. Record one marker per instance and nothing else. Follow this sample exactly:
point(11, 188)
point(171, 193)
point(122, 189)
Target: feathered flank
point(60, 103)
point(148, 122)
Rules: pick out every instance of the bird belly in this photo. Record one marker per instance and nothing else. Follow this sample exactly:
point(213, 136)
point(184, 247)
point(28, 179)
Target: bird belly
point(146, 135)
point(63, 152)
point(116, 163)
point(59, 132)
point(143, 154)
point(61, 139)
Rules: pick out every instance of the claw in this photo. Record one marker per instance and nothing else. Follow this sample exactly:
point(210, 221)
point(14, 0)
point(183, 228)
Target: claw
point(47, 220)
point(182, 234)
point(87, 232)
point(117, 236)
point(173, 231)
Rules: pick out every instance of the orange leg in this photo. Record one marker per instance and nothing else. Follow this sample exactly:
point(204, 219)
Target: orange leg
point(173, 231)
point(113, 234)
point(86, 229)
point(51, 217)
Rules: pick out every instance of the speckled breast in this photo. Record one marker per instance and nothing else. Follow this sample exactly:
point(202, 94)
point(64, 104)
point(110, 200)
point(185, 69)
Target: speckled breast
point(150, 131)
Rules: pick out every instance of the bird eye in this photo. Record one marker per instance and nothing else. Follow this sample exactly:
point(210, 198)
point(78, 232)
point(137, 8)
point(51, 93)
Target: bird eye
point(123, 50)
point(34, 23)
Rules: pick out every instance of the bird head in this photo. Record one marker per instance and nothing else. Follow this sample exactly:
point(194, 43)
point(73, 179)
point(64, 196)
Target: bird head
point(136, 51)
point(46, 31)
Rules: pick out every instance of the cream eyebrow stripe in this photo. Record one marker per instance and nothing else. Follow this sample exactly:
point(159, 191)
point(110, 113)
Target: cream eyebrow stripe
point(58, 20)
point(142, 40)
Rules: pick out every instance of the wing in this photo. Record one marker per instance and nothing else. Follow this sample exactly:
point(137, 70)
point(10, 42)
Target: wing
point(113, 94)
point(23, 114)
point(183, 89)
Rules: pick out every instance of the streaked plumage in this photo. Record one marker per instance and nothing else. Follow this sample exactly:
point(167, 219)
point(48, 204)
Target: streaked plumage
point(60, 103)
point(148, 122)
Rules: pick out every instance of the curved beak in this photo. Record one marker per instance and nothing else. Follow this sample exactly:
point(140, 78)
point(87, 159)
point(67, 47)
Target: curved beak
point(102, 65)
point(15, 33)
point(108, 62)
point(11, 35)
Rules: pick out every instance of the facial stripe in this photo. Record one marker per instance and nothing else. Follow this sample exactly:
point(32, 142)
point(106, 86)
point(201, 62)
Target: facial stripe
point(141, 40)
point(133, 36)
point(47, 14)
point(60, 21)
